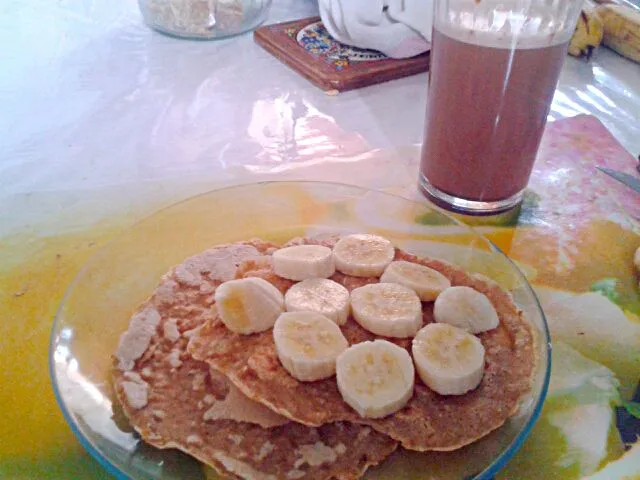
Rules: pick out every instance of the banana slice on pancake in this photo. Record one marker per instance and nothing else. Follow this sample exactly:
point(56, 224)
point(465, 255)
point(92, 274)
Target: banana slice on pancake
point(426, 282)
point(302, 262)
point(363, 255)
point(319, 295)
point(465, 308)
point(248, 305)
point(387, 309)
point(375, 378)
point(308, 344)
point(449, 360)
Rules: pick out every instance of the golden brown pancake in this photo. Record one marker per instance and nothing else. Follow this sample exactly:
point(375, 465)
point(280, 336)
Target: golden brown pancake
point(174, 401)
point(429, 421)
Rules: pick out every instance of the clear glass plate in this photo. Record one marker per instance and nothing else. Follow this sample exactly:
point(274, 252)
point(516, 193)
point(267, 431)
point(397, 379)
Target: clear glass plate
point(98, 304)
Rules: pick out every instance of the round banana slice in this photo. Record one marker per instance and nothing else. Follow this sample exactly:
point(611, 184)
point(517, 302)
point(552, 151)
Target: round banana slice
point(375, 378)
point(426, 282)
point(319, 295)
point(465, 308)
point(248, 305)
point(308, 344)
point(449, 360)
point(363, 255)
point(301, 262)
point(387, 309)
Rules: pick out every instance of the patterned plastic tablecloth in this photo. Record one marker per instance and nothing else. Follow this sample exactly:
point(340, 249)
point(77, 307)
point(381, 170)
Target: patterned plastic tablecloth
point(104, 121)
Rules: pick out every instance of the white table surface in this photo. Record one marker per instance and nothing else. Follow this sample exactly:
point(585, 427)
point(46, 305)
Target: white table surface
point(91, 97)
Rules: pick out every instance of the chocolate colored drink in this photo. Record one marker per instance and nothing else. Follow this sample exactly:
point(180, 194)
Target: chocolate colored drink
point(487, 108)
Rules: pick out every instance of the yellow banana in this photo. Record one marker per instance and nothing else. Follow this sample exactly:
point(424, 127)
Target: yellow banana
point(588, 33)
point(621, 29)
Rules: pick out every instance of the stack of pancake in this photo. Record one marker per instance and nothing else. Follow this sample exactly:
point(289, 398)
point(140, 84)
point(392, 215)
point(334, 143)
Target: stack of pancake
point(186, 381)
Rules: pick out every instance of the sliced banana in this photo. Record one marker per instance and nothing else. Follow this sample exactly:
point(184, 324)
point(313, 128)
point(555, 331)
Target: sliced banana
point(465, 308)
point(449, 360)
point(363, 255)
point(426, 282)
point(248, 305)
point(319, 295)
point(308, 344)
point(387, 309)
point(375, 378)
point(301, 262)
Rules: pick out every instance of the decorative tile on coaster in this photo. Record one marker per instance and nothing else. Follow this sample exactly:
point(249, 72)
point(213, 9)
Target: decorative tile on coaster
point(306, 47)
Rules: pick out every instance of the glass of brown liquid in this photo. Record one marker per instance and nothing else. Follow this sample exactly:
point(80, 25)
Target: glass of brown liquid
point(494, 69)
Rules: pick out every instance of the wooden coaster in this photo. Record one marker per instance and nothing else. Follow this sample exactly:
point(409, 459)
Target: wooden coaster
point(306, 47)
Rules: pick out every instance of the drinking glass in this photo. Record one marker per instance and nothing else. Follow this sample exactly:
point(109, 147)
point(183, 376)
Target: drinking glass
point(494, 69)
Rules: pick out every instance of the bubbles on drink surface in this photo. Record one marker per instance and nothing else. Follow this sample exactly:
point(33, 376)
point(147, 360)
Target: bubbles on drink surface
point(507, 23)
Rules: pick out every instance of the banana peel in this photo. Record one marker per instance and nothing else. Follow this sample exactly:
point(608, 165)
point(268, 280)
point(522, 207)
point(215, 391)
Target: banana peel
point(621, 29)
point(588, 34)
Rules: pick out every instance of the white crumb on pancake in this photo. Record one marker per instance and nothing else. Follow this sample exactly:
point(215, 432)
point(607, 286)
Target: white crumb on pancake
point(265, 450)
point(136, 394)
point(315, 455)
point(191, 333)
point(295, 474)
point(217, 264)
point(135, 341)
point(165, 293)
point(194, 440)
point(170, 329)
point(241, 469)
point(174, 359)
point(236, 406)
point(133, 376)
point(198, 382)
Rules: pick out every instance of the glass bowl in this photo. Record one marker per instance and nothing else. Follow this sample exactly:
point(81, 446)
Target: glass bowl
point(204, 19)
point(98, 304)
